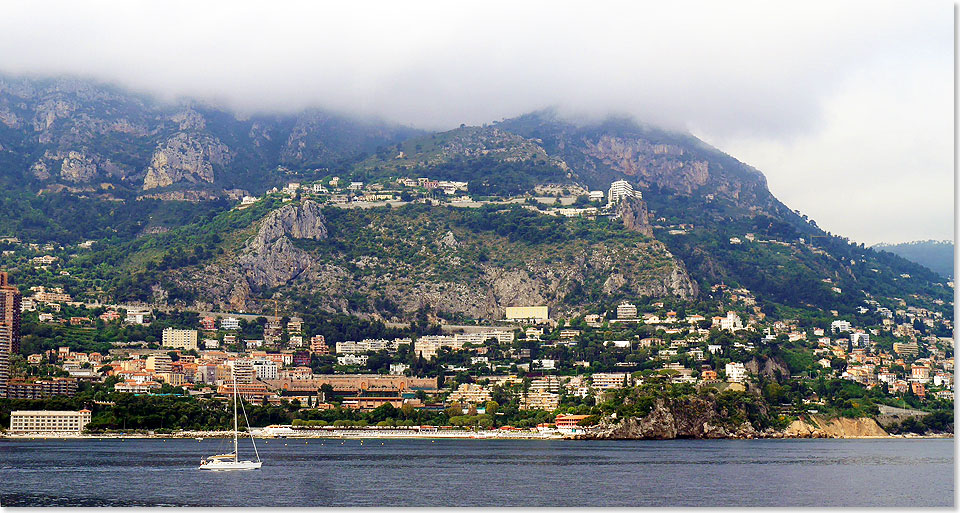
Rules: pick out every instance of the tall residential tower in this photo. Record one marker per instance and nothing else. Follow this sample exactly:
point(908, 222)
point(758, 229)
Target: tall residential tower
point(9, 328)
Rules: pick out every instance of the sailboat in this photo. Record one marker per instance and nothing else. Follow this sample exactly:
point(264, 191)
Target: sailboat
point(221, 462)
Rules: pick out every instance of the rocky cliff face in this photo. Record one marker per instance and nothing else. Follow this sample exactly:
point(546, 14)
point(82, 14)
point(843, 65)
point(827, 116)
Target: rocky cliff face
point(770, 368)
point(133, 141)
point(76, 167)
point(651, 158)
point(185, 157)
point(817, 426)
point(270, 258)
point(650, 164)
point(635, 216)
point(444, 274)
point(675, 418)
point(698, 418)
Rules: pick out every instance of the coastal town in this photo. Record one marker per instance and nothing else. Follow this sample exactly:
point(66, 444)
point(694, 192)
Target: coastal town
point(559, 369)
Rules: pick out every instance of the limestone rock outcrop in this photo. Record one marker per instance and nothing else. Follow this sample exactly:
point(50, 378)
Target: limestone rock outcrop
point(78, 167)
point(186, 158)
point(270, 258)
point(676, 418)
point(635, 216)
point(817, 426)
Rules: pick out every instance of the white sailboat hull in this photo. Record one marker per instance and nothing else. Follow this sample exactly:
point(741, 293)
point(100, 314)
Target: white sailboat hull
point(230, 465)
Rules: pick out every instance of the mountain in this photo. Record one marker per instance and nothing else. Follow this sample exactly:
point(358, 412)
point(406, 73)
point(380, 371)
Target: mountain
point(937, 255)
point(71, 134)
point(156, 185)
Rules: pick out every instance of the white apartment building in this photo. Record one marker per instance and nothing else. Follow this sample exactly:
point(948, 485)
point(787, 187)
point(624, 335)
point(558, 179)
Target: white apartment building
point(353, 347)
point(427, 346)
point(609, 380)
point(619, 190)
point(180, 339)
point(731, 322)
point(540, 401)
point(137, 315)
point(502, 336)
point(545, 364)
point(860, 339)
point(531, 314)
point(266, 369)
point(352, 359)
point(626, 311)
point(840, 325)
point(49, 421)
point(243, 370)
point(736, 372)
point(229, 323)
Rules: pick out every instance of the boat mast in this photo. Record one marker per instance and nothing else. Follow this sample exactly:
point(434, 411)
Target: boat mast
point(236, 455)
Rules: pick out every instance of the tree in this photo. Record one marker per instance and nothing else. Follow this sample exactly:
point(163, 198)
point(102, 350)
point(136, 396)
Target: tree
point(326, 392)
point(454, 411)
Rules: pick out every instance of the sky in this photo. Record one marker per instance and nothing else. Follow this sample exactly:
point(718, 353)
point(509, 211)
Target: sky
point(845, 106)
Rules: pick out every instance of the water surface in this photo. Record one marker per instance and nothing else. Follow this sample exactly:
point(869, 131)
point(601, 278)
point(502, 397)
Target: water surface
point(422, 472)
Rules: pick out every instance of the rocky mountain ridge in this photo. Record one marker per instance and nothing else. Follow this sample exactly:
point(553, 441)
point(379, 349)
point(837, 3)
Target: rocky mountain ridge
point(77, 132)
point(299, 250)
point(692, 224)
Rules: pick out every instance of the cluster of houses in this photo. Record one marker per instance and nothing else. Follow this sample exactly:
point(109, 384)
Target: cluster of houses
point(338, 191)
point(279, 366)
point(333, 191)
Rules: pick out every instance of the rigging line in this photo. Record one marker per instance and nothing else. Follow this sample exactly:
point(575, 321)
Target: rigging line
point(252, 439)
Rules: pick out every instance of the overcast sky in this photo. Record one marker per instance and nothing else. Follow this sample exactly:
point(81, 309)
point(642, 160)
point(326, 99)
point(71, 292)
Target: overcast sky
point(846, 107)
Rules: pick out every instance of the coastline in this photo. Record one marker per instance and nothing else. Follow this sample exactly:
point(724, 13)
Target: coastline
point(386, 435)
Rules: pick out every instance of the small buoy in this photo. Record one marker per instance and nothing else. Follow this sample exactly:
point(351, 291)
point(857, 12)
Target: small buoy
point(381, 443)
point(284, 445)
point(305, 443)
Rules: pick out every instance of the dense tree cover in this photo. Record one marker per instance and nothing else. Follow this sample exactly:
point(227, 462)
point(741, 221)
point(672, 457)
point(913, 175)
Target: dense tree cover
point(790, 275)
point(937, 422)
point(67, 218)
point(937, 256)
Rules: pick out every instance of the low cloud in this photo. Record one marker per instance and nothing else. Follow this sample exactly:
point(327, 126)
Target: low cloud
point(754, 75)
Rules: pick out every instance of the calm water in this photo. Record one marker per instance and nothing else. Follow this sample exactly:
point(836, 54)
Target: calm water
point(483, 473)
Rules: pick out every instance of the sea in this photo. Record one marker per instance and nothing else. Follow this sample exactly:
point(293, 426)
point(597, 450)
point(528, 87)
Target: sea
point(488, 473)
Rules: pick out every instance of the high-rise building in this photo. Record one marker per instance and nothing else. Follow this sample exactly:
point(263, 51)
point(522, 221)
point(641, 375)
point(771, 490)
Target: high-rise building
point(9, 328)
point(619, 190)
point(180, 339)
